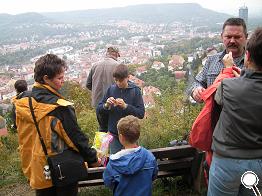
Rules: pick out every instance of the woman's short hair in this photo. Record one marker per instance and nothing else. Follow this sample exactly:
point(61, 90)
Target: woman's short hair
point(49, 65)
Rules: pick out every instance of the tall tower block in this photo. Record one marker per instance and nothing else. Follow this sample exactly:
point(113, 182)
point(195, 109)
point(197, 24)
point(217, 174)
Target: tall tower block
point(243, 13)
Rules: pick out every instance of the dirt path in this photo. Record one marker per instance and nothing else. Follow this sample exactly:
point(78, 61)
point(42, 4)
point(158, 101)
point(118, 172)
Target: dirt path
point(17, 190)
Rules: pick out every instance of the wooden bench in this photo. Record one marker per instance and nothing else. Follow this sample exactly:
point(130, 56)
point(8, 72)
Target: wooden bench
point(172, 161)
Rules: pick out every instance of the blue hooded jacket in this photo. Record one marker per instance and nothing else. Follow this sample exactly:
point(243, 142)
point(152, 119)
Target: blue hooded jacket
point(132, 97)
point(131, 172)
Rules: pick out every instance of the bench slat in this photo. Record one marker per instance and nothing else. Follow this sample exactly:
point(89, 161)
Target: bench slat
point(166, 165)
point(172, 161)
point(174, 152)
point(163, 165)
point(162, 174)
point(95, 173)
point(91, 183)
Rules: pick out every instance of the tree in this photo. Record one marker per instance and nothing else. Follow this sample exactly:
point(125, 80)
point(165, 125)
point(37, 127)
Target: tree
point(170, 119)
point(132, 68)
point(163, 79)
point(78, 95)
point(81, 98)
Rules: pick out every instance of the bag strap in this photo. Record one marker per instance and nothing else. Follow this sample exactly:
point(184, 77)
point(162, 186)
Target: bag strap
point(36, 126)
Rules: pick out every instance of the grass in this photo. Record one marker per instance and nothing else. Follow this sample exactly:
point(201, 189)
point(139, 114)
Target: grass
point(13, 182)
point(161, 187)
point(164, 187)
point(10, 169)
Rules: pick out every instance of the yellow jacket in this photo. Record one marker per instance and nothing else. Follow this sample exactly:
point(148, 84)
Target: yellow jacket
point(58, 126)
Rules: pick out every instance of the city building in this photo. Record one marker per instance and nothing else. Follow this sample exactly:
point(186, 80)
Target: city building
point(243, 13)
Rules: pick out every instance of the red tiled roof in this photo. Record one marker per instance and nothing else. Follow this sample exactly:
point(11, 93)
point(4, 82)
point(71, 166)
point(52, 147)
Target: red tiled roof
point(137, 81)
point(180, 74)
point(176, 60)
point(150, 90)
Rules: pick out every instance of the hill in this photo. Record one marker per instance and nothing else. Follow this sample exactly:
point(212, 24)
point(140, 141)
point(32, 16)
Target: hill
point(26, 18)
point(34, 26)
point(155, 13)
point(22, 27)
point(38, 26)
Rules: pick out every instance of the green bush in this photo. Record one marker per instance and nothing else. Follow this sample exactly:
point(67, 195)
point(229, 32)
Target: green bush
point(170, 119)
point(10, 169)
point(88, 123)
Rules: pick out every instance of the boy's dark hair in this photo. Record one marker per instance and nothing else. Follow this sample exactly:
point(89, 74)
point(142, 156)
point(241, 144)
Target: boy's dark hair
point(49, 65)
point(129, 127)
point(20, 86)
point(235, 22)
point(121, 72)
point(254, 47)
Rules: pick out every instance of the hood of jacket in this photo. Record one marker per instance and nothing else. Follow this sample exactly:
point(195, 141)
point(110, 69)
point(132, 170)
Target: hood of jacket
point(44, 100)
point(129, 161)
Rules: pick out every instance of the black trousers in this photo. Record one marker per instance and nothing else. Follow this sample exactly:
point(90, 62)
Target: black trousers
point(102, 119)
point(70, 190)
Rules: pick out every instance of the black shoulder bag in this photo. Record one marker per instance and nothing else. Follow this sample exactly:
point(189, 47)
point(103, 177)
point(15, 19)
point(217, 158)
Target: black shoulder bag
point(67, 167)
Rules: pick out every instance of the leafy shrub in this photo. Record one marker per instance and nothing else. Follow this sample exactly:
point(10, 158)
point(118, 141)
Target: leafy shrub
point(170, 119)
point(10, 169)
point(78, 95)
point(88, 122)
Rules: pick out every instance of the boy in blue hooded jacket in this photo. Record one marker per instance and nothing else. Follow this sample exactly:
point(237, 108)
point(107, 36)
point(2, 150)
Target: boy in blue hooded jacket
point(131, 170)
point(121, 99)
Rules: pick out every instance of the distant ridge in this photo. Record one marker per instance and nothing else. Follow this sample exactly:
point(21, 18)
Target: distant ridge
point(30, 18)
point(150, 13)
point(31, 26)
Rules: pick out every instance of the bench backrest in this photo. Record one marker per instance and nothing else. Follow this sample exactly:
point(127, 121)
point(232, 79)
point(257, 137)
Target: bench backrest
point(174, 152)
point(176, 161)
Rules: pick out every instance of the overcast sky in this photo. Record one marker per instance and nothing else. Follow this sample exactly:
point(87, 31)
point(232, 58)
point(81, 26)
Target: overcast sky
point(22, 6)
